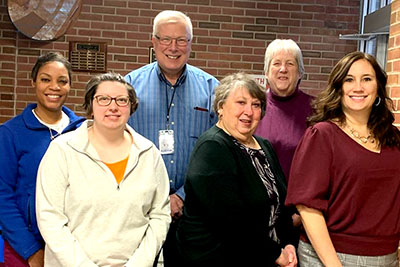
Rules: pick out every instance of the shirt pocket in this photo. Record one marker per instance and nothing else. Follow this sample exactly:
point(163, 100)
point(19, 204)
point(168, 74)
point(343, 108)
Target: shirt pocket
point(201, 120)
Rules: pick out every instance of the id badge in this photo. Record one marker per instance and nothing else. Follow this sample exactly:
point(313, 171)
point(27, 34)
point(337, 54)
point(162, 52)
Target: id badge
point(166, 141)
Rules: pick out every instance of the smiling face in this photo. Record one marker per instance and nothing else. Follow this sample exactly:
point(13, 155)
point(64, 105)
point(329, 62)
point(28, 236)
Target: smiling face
point(360, 88)
point(240, 114)
point(283, 74)
point(111, 116)
point(52, 87)
point(172, 58)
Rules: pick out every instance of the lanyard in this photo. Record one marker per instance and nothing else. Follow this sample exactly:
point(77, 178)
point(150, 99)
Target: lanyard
point(169, 104)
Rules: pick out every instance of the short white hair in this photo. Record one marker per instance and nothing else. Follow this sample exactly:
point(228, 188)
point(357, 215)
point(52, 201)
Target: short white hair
point(287, 45)
point(172, 16)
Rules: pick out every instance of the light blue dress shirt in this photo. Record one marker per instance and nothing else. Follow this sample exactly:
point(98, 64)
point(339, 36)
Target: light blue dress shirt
point(190, 113)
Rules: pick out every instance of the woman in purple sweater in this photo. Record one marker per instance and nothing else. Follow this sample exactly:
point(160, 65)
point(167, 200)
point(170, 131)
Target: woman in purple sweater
point(288, 107)
point(345, 176)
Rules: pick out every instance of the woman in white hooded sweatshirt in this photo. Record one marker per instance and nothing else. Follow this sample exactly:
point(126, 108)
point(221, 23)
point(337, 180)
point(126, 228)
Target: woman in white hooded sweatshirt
point(102, 190)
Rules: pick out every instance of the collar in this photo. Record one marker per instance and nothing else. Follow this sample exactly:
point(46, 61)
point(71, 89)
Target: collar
point(29, 118)
point(180, 80)
point(32, 123)
point(79, 140)
point(276, 98)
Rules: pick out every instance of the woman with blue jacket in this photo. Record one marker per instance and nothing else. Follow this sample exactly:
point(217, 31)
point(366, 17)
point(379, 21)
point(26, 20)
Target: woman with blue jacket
point(24, 140)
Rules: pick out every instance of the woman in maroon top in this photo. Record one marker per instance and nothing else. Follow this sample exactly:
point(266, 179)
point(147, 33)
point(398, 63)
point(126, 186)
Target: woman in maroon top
point(345, 176)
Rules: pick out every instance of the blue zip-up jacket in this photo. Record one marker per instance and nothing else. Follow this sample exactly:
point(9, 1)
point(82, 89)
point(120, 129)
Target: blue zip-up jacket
point(23, 142)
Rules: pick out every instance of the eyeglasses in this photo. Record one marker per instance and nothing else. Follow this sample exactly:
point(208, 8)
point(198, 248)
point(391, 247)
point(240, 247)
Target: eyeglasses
point(105, 100)
point(180, 41)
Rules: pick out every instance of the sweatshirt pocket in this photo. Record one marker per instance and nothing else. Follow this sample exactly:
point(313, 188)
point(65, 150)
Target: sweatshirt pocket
point(31, 213)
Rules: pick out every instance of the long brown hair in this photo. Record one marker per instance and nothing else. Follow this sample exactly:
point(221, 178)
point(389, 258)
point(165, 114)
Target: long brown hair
point(328, 105)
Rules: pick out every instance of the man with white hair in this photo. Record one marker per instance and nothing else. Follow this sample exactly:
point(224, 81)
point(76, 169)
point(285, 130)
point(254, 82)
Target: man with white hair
point(175, 105)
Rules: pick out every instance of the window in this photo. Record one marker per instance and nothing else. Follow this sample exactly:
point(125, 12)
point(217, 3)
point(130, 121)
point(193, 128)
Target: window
point(375, 23)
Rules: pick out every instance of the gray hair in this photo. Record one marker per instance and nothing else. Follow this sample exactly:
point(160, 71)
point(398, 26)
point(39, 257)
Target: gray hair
point(95, 81)
point(239, 80)
point(287, 45)
point(172, 16)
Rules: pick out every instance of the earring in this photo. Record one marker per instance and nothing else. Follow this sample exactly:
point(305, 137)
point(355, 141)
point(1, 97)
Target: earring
point(379, 101)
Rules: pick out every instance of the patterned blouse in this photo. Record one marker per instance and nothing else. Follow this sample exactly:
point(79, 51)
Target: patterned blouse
point(262, 166)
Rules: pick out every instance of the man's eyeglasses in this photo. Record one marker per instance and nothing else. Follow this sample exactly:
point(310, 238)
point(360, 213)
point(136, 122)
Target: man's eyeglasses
point(105, 100)
point(180, 41)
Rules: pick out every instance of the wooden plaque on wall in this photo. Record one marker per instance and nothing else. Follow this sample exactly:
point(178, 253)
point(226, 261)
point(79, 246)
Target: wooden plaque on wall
point(88, 56)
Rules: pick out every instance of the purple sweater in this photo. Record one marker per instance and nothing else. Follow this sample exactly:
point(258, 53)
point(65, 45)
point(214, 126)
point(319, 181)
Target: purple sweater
point(284, 124)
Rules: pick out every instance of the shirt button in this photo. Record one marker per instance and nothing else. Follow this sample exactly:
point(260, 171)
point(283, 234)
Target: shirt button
point(172, 123)
point(172, 161)
point(170, 181)
point(172, 104)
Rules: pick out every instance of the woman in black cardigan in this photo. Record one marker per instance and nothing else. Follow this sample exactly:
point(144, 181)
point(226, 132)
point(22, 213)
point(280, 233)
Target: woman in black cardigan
point(234, 213)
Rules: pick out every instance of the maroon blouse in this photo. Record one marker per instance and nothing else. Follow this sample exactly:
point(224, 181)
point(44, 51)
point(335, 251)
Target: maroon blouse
point(358, 191)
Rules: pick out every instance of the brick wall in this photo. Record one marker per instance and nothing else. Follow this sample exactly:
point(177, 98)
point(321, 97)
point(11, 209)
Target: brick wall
point(393, 59)
point(229, 36)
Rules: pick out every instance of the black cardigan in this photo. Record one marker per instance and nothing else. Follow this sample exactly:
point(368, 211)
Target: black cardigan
point(227, 208)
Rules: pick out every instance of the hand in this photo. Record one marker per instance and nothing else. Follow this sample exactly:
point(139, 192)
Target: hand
point(291, 250)
point(296, 220)
point(37, 259)
point(288, 257)
point(176, 204)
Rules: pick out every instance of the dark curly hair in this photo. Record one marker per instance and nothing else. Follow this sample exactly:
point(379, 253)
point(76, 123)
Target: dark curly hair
point(51, 57)
point(328, 104)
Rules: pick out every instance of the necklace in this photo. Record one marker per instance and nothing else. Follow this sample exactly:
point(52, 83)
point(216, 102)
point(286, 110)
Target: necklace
point(58, 127)
point(51, 134)
point(357, 135)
